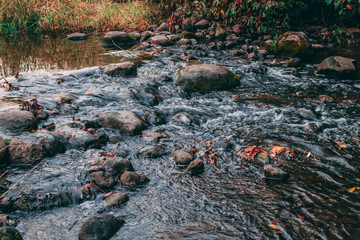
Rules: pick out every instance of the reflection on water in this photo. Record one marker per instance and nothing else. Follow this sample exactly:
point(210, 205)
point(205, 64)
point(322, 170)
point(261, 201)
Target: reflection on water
point(29, 53)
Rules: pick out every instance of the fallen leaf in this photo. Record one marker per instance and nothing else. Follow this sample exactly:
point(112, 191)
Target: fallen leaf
point(278, 149)
point(273, 226)
point(253, 150)
point(351, 190)
point(340, 145)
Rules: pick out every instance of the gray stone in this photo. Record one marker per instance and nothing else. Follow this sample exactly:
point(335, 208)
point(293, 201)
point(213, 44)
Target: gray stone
point(164, 26)
point(202, 24)
point(18, 121)
point(207, 77)
point(274, 173)
point(117, 38)
point(118, 165)
point(182, 159)
point(102, 179)
point(133, 179)
point(184, 41)
point(338, 67)
point(77, 36)
point(100, 227)
point(220, 33)
point(3, 150)
point(161, 40)
point(116, 199)
point(196, 167)
point(25, 152)
point(123, 69)
point(152, 136)
point(152, 151)
point(126, 122)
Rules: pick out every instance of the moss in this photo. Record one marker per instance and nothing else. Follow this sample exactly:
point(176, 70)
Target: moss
point(292, 47)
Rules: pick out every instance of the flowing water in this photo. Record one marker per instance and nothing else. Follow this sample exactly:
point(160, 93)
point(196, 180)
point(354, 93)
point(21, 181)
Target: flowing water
point(273, 106)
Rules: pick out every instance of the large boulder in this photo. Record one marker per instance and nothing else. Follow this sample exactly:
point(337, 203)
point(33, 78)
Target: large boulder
point(10, 233)
point(338, 67)
point(100, 227)
point(18, 121)
point(292, 44)
point(161, 40)
point(118, 39)
point(25, 152)
point(133, 179)
point(123, 69)
point(126, 122)
point(207, 77)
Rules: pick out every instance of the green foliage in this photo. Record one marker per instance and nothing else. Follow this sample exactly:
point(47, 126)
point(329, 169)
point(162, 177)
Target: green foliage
point(347, 10)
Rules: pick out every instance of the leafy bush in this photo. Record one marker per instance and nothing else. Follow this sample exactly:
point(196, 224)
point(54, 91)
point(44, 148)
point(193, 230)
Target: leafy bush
point(347, 10)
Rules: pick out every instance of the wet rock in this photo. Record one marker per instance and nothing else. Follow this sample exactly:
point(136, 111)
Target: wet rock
point(4, 220)
point(207, 77)
point(182, 159)
point(49, 126)
point(77, 36)
point(161, 40)
point(116, 199)
point(164, 26)
point(184, 118)
point(220, 33)
point(145, 36)
point(292, 44)
point(103, 179)
point(188, 35)
point(263, 158)
point(294, 62)
point(117, 38)
point(52, 144)
point(174, 37)
point(274, 173)
point(80, 139)
point(126, 122)
point(307, 114)
point(199, 35)
point(238, 29)
point(10, 233)
point(118, 165)
point(152, 136)
point(202, 24)
point(152, 151)
point(123, 69)
point(156, 117)
point(196, 167)
point(143, 97)
point(25, 152)
point(115, 139)
point(338, 67)
point(237, 52)
point(184, 41)
point(18, 121)
point(3, 150)
point(100, 227)
point(133, 179)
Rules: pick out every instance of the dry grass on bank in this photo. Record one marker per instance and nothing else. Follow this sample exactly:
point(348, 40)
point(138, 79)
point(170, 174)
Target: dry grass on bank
point(73, 15)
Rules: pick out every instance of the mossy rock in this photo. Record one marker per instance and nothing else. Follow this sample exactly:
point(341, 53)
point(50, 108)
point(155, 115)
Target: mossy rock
point(292, 44)
point(207, 77)
point(117, 38)
point(10, 233)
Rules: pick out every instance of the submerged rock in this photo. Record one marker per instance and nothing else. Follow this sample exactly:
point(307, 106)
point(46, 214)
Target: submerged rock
point(103, 179)
point(100, 227)
point(84, 140)
point(118, 165)
point(152, 136)
point(18, 121)
point(10, 233)
point(182, 158)
point(207, 77)
point(123, 69)
point(292, 44)
point(25, 152)
point(126, 122)
point(116, 199)
point(161, 40)
point(196, 167)
point(152, 151)
point(133, 179)
point(117, 38)
point(338, 67)
point(77, 36)
point(274, 173)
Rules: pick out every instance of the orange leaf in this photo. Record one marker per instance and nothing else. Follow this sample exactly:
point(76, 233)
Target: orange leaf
point(273, 226)
point(279, 149)
point(351, 190)
point(349, 7)
point(253, 150)
point(340, 145)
